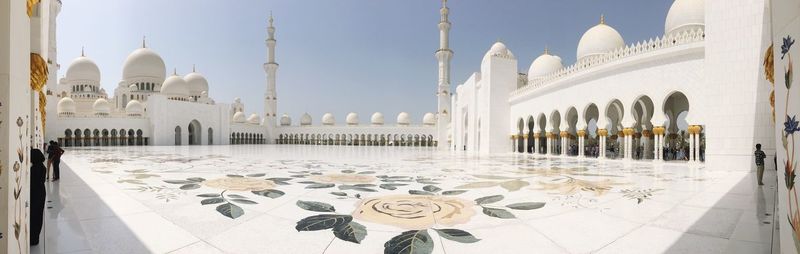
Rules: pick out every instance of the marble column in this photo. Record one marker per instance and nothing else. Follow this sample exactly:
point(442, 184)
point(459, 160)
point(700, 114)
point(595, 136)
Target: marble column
point(581, 144)
point(16, 117)
point(659, 137)
point(536, 136)
point(514, 147)
point(694, 142)
point(549, 143)
point(603, 133)
point(564, 138)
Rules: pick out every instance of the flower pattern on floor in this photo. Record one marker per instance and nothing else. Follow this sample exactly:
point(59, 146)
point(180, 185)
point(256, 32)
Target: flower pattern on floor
point(416, 200)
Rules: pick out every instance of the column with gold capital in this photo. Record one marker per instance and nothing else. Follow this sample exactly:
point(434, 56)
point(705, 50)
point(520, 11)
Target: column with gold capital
point(549, 146)
point(659, 140)
point(536, 136)
point(603, 133)
point(628, 142)
point(564, 139)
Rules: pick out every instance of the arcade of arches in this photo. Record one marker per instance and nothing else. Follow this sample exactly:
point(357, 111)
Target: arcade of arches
point(640, 139)
point(104, 137)
point(358, 139)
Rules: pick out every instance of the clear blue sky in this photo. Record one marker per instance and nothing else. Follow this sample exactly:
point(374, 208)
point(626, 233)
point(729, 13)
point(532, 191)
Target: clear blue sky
point(336, 56)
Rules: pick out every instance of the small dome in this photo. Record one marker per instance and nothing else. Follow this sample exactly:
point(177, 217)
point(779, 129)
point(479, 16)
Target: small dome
point(196, 82)
point(377, 118)
point(352, 119)
point(403, 119)
point(204, 94)
point(286, 120)
point(544, 64)
point(305, 119)
point(328, 119)
point(134, 107)
point(83, 68)
point(498, 49)
point(237, 100)
point(254, 119)
point(599, 40)
point(101, 107)
point(685, 15)
point(144, 63)
point(66, 106)
point(429, 119)
point(175, 86)
point(238, 117)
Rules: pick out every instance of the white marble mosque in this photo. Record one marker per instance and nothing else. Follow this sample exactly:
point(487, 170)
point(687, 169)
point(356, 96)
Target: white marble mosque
point(643, 145)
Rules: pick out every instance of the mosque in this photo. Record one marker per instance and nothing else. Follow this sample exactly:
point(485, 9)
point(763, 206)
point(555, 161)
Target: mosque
point(694, 91)
point(655, 99)
point(150, 108)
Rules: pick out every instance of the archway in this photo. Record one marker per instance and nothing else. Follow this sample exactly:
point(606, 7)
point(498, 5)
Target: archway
point(555, 137)
point(177, 135)
point(591, 141)
point(614, 113)
point(68, 138)
point(642, 145)
point(542, 149)
point(530, 140)
point(210, 136)
point(572, 130)
point(195, 133)
point(676, 136)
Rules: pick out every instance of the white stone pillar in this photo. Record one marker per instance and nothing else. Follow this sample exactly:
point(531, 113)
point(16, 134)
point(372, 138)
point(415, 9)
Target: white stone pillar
point(549, 143)
point(536, 142)
point(16, 117)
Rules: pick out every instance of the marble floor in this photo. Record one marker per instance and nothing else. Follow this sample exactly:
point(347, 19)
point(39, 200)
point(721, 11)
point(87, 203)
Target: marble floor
point(311, 199)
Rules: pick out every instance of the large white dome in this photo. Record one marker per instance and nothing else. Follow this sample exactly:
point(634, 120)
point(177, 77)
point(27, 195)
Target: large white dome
point(286, 120)
point(197, 83)
point(377, 118)
point(328, 119)
point(144, 63)
point(238, 117)
point(599, 40)
point(175, 86)
point(305, 119)
point(254, 119)
point(134, 107)
point(352, 118)
point(544, 64)
point(66, 106)
point(83, 68)
point(403, 119)
point(429, 119)
point(101, 107)
point(685, 15)
point(498, 49)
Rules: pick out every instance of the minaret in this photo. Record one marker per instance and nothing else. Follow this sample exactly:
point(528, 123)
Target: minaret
point(270, 97)
point(444, 55)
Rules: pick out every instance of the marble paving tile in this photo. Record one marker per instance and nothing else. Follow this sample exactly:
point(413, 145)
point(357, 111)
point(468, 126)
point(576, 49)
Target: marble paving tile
point(650, 239)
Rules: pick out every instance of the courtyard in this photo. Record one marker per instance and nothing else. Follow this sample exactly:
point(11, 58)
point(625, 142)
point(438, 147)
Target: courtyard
point(343, 199)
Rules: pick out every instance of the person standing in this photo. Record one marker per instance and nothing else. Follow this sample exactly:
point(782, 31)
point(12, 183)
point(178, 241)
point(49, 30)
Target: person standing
point(57, 152)
point(760, 155)
point(37, 194)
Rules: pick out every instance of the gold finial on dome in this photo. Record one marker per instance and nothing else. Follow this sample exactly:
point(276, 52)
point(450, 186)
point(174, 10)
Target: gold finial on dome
point(602, 19)
point(175, 71)
point(144, 45)
point(82, 54)
point(546, 50)
point(193, 69)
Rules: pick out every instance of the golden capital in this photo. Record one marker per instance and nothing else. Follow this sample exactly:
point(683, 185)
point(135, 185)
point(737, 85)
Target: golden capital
point(695, 129)
point(537, 135)
point(602, 132)
point(581, 133)
point(659, 130)
point(628, 131)
point(564, 134)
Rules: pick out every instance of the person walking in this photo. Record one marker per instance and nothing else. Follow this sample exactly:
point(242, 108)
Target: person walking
point(57, 152)
point(49, 151)
point(37, 195)
point(760, 155)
